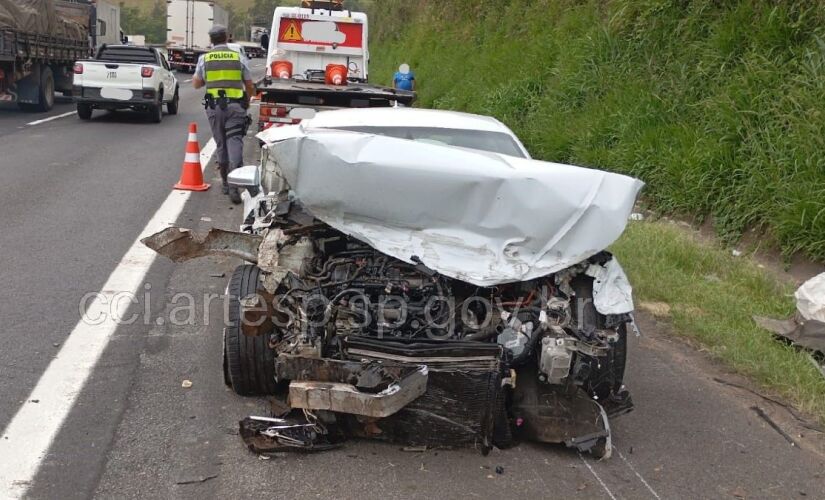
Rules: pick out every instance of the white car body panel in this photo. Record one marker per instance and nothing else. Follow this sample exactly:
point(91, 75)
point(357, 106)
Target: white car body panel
point(484, 218)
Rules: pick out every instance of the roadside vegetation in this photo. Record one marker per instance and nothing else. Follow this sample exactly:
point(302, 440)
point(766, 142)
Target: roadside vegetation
point(709, 295)
point(717, 106)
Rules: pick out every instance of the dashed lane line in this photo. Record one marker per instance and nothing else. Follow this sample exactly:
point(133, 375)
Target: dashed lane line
point(56, 117)
point(26, 440)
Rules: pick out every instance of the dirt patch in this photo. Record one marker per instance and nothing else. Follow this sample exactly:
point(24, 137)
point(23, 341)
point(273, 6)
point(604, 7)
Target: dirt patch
point(657, 309)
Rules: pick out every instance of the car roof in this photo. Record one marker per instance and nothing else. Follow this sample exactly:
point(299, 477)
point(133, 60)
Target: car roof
point(406, 117)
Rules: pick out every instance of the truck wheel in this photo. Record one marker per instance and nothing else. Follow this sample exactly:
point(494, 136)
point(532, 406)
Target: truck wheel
point(249, 361)
point(172, 106)
point(84, 111)
point(46, 93)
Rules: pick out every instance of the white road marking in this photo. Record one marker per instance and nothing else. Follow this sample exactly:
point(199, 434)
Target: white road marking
point(651, 490)
point(44, 120)
point(187, 81)
point(26, 440)
point(599, 479)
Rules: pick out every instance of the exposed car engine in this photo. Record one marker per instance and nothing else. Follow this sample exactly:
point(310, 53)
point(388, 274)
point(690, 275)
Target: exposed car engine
point(348, 288)
point(344, 300)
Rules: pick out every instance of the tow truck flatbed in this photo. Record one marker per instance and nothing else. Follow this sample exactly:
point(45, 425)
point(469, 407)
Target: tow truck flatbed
point(321, 95)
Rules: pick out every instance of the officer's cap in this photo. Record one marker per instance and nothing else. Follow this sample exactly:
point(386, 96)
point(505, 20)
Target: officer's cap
point(217, 31)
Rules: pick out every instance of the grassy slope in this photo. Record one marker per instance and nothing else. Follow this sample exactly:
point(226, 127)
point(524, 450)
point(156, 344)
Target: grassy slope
point(718, 106)
point(712, 297)
point(719, 110)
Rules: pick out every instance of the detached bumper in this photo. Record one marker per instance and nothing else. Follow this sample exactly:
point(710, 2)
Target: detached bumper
point(359, 388)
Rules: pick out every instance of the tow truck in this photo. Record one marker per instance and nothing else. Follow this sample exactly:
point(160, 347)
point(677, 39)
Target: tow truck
point(318, 58)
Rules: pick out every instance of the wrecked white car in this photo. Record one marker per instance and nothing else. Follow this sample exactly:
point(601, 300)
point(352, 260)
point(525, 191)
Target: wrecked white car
point(415, 277)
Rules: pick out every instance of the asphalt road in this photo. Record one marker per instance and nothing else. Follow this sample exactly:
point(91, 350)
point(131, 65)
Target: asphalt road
point(75, 195)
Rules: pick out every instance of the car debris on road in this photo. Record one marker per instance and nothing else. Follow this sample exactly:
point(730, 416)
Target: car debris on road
point(806, 329)
point(431, 291)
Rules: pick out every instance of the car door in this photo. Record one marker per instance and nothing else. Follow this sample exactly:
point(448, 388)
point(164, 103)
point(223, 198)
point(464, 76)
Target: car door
point(168, 78)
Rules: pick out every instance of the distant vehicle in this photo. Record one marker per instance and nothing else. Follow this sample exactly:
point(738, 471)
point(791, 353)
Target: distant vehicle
point(237, 47)
point(256, 32)
point(126, 77)
point(136, 40)
point(187, 25)
point(253, 50)
point(41, 39)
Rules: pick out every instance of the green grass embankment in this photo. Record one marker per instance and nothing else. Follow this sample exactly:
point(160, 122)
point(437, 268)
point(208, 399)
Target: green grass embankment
point(718, 106)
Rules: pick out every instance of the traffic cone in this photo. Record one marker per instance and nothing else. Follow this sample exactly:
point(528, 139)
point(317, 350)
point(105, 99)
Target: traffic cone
point(191, 176)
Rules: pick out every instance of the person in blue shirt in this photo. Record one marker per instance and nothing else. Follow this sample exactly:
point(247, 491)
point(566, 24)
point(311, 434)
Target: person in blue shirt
point(404, 78)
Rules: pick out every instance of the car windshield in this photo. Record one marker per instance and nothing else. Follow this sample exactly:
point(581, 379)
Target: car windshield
point(483, 140)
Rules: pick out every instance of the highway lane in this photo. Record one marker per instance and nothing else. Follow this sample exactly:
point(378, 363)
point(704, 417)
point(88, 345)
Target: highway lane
point(75, 195)
point(13, 120)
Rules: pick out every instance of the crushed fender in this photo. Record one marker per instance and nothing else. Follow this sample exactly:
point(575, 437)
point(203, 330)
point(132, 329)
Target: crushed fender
point(179, 244)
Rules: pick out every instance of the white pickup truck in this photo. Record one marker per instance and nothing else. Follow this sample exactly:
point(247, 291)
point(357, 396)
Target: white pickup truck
point(125, 77)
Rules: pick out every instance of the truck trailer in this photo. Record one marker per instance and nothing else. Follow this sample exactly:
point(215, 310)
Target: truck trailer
point(41, 39)
point(188, 25)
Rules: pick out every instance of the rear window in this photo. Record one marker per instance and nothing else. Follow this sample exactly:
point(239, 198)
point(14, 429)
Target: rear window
point(136, 55)
point(495, 142)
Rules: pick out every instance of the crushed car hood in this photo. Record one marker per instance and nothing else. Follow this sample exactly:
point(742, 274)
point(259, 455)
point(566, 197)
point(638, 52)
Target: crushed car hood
point(479, 217)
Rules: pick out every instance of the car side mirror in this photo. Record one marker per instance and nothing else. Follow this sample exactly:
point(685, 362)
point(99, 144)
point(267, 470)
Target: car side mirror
point(248, 176)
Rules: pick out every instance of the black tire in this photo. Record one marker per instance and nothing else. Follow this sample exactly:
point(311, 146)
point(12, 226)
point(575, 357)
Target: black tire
point(608, 378)
point(172, 106)
point(46, 92)
point(156, 110)
point(84, 111)
point(249, 361)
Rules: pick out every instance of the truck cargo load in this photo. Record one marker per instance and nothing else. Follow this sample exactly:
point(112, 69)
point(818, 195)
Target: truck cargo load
point(42, 17)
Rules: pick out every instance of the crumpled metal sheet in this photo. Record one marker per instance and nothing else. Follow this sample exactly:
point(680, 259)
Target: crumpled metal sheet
point(807, 327)
point(612, 293)
point(807, 334)
point(179, 244)
point(479, 217)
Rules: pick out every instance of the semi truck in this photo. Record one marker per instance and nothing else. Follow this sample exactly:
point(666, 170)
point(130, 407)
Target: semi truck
point(187, 30)
point(41, 39)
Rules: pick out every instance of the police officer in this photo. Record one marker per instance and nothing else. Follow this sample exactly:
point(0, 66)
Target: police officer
point(229, 86)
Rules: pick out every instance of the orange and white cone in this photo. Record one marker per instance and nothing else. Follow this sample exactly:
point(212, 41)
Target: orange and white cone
point(191, 176)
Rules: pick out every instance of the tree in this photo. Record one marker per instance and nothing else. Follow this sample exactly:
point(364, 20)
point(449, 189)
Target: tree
point(153, 25)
